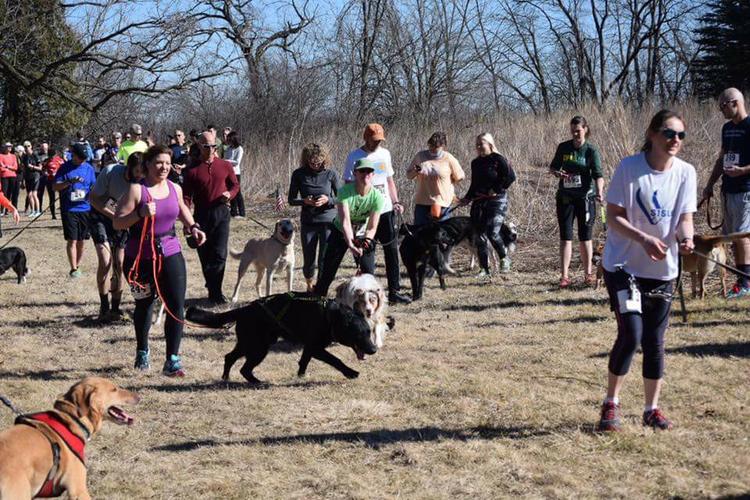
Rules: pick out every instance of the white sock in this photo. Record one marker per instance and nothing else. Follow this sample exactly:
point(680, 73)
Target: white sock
point(614, 400)
point(649, 408)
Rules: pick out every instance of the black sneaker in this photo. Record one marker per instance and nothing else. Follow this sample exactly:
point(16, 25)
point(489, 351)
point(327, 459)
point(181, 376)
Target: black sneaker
point(398, 298)
point(218, 300)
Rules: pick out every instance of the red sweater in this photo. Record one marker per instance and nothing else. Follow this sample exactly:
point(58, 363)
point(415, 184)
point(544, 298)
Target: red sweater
point(8, 165)
point(205, 182)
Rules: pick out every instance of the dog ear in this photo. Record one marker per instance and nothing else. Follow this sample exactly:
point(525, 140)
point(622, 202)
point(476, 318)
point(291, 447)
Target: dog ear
point(82, 401)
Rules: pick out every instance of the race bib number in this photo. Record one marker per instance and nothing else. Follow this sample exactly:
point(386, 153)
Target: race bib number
point(141, 292)
point(629, 300)
point(731, 159)
point(77, 195)
point(572, 181)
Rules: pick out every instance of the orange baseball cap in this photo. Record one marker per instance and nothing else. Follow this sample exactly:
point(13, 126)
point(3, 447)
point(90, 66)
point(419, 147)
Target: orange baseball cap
point(374, 131)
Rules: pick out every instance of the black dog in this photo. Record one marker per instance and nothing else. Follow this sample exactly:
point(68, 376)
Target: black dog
point(14, 258)
point(302, 318)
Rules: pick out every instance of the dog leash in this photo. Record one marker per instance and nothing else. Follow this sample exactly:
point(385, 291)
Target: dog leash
point(27, 225)
point(7, 402)
point(708, 215)
point(725, 266)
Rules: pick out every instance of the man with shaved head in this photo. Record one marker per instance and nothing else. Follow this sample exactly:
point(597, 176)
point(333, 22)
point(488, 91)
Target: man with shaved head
point(733, 166)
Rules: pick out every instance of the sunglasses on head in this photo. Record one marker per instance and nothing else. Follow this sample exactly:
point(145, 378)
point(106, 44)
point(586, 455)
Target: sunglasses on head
point(671, 134)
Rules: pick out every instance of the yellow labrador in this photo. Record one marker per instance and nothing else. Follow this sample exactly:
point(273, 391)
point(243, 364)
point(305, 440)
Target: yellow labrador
point(274, 254)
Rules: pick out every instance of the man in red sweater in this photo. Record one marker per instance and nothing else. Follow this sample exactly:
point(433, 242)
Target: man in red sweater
point(209, 187)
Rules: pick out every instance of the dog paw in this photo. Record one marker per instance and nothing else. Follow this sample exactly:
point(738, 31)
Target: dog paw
point(390, 322)
point(352, 374)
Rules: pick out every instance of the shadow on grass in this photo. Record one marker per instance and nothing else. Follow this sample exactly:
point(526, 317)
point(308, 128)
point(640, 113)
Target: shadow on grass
point(61, 373)
point(577, 319)
point(728, 350)
point(222, 385)
point(579, 301)
point(49, 305)
point(379, 437)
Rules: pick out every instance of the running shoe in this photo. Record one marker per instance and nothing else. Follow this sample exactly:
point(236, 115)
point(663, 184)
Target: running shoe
point(141, 361)
point(483, 275)
point(656, 419)
point(590, 279)
point(75, 273)
point(565, 282)
point(173, 367)
point(738, 291)
point(505, 265)
point(610, 418)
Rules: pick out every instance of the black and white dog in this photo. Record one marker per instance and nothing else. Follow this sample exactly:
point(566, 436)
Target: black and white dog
point(14, 258)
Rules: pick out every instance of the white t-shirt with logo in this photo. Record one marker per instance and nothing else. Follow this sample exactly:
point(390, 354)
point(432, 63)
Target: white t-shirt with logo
point(381, 158)
point(654, 202)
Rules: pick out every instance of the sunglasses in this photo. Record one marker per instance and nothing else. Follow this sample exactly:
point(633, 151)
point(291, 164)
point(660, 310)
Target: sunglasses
point(209, 146)
point(724, 104)
point(671, 134)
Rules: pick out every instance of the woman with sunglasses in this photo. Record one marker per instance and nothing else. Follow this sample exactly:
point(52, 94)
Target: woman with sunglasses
point(578, 166)
point(491, 176)
point(650, 206)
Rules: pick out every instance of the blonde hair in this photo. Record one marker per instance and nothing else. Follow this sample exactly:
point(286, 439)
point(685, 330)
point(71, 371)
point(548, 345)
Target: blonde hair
point(487, 137)
point(313, 150)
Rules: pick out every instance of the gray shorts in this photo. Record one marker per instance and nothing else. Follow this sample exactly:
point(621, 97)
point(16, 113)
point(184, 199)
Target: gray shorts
point(736, 212)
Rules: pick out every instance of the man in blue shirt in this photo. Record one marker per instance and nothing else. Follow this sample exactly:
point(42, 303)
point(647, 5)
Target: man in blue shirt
point(73, 181)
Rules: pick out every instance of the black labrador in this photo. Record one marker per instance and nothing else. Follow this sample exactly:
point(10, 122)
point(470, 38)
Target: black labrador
point(14, 258)
point(301, 318)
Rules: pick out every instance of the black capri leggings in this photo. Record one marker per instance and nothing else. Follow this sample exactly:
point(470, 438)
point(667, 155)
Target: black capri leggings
point(172, 285)
point(583, 210)
point(334, 252)
point(487, 216)
point(646, 328)
point(314, 237)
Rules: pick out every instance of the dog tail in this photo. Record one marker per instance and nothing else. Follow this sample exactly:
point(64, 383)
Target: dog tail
point(235, 253)
point(211, 319)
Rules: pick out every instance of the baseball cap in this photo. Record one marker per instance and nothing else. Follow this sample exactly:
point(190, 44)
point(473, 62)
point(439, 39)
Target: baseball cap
point(26, 144)
point(364, 164)
point(79, 150)
point(375, 132)
point(117, 135)
point(8, 145)
point(136, 129)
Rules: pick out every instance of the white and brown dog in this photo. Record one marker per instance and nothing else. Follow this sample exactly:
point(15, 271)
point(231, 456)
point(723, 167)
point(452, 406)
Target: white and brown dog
point(272, 255)
point(365, 294)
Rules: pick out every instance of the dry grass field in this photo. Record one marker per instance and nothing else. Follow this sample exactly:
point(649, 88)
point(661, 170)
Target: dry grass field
point(483, 391)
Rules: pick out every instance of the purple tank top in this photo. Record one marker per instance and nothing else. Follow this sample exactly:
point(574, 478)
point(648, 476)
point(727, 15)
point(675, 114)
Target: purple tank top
point(167, 211)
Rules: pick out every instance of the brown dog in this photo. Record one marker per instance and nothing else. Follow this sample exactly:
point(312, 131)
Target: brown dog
point(598, 261)
point(43, 454)
point(700, 267)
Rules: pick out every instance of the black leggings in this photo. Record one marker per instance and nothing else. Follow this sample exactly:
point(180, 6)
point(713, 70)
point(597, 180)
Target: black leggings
point(646, 328)
point(10, 187)
point(314, 237)
point(172, 285)
point(581, 209)
point(46, 185)
point(237, 205)
point(487, 216)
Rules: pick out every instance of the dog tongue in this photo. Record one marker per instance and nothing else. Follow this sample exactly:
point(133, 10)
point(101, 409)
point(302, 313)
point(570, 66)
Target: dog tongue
point(360, 354)
point(120, 416)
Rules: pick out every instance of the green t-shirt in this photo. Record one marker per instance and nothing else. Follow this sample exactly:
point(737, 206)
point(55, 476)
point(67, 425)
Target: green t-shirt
point(360, 207)
point(129, 147)
point(583, 165)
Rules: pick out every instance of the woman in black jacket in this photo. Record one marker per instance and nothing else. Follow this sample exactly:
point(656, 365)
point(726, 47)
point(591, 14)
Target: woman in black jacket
point(314, 188)
point(491, 176)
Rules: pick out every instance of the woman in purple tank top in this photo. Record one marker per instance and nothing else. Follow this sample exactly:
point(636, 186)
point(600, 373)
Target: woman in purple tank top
point(159, 199)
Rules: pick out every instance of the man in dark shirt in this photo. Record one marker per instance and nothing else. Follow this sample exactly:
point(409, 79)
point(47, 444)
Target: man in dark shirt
point(733, 166)
point(179, 157)
point(209, 187)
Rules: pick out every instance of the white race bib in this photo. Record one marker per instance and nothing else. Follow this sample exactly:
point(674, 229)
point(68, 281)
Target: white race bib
point(77, 195)
point(141, 292)
point(572, 181)
point(731, 159)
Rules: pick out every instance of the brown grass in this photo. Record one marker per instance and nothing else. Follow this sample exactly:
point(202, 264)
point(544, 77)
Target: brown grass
point(483, 391)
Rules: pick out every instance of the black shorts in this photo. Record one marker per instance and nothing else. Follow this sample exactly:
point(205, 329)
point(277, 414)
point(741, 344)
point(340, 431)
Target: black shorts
point(581, 209)
point(102, 231)
point(32, 181)
point(76, 226)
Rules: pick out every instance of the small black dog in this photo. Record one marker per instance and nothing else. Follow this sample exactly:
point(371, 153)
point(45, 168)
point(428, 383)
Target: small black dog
point(14, 258)
point(302, 318)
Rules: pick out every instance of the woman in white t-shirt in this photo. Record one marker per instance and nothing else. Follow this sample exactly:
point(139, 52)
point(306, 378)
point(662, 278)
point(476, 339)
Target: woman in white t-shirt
point(233, 154)
point(650, 206)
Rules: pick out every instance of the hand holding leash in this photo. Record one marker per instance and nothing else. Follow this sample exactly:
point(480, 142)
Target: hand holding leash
point(686, 246)
point(655, 248)
point(150, 209)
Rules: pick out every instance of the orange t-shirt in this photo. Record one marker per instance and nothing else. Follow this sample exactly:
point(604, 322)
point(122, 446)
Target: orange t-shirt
point(5, 202)
point(50, 167)
point(8, 165)
point(440, 175)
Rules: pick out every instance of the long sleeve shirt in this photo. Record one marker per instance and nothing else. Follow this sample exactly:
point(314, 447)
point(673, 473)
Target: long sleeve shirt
point(306, 182)
point(205, 183)
point(491, 174)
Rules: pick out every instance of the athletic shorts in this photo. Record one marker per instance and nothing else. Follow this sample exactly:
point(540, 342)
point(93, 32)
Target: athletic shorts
point(76, 226)
point(102, 231)
point(32, 181)
point(583, 210)
point(736, 212)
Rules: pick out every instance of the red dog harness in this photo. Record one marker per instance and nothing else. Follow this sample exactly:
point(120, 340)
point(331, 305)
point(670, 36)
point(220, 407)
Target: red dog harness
point(75, 444)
